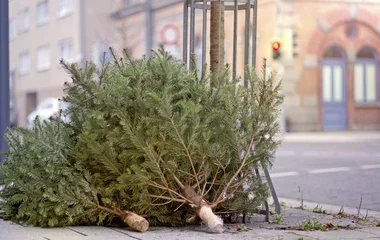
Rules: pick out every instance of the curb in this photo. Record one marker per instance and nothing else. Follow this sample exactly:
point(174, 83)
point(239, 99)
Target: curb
point(329, 138)
point(329, 208)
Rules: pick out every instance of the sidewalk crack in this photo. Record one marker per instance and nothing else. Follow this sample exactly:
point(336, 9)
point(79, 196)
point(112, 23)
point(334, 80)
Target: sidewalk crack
point(77, 232)
point(116, 230)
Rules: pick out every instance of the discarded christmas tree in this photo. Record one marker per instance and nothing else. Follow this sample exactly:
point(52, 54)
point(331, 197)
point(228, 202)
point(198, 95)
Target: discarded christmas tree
point(169, 138)
point(45, 187)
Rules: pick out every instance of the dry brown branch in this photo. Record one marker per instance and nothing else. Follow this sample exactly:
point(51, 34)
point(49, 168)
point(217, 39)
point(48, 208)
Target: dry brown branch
point(180, 184)
point(175, 210)
point(233, 191)
point(236, 173)
point(167, 198)
point(186, 173)
point(187, 152)
point(162, 204)
point(192, 218)
point(160, 195)
point(213, 181)
point(169, 190)
point(201, 181)
point(202, 163)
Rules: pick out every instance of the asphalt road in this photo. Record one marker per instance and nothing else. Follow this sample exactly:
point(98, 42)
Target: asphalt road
point(333, 173)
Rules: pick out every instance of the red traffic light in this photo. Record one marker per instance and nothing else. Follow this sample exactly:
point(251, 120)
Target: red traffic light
point(276, 46)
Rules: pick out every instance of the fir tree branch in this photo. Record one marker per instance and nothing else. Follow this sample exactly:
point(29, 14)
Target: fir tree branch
point(157, 198)
point(162, 204)
point(143, 145)
point(202, 163)
point(168, 198)
point(213, 181)
point(175, 210)
point(60, 153)
point(112, 164)
point(201, 181)
point(187, 174)
point(117, 213)
point(187, 152)
point(235, 189)
point(180, 184)
point(156, 185)
point(221, 195)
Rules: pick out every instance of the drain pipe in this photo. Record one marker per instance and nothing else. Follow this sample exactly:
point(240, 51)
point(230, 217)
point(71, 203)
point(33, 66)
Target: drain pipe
point(4, 75)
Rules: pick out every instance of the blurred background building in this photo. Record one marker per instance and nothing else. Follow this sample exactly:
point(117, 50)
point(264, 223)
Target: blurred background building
point(41, 32)
point(328, 54)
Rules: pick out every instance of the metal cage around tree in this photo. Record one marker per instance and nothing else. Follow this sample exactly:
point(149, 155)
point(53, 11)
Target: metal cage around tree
point(247, 7)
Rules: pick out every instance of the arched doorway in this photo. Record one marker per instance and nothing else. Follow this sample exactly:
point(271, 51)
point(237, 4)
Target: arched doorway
point(334, 100)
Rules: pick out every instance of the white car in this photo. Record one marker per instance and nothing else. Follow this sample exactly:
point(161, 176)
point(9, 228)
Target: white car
point(48, 108)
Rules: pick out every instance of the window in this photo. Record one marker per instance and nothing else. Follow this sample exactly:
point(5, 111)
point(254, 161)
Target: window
point(366, 77)
point(12, 29)
point(24, 21)
point(334, 53)
point(65, 50)
point(43, 58)
point(24, 63)
point(65, 7)
point(42, 12)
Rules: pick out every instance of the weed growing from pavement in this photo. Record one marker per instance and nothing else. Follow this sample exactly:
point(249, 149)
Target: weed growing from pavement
point(243, 228)
point(277, 218)
point(318, 209)
point(341, 211)
point(315, 225)
point(311, 225)
point(300, 198)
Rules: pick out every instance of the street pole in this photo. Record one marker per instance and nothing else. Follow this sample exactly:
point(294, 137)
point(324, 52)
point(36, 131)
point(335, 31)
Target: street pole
point(4, 74)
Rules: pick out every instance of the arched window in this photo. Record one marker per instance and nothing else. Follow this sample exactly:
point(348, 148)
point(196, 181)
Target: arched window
point(334, 52)
point(366, 77)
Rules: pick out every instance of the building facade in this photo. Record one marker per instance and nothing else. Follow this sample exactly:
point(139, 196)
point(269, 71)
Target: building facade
point(41, 32)
point(329, 54)
point(333, 82)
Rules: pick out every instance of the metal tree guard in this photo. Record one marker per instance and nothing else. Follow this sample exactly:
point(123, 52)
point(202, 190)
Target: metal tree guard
point(249, 7)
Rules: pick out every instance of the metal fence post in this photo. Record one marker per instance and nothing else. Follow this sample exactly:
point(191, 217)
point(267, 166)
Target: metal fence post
point(4, 74)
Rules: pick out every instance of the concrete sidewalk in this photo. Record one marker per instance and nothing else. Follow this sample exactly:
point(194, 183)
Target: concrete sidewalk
point(286, 229)
point(330, 137)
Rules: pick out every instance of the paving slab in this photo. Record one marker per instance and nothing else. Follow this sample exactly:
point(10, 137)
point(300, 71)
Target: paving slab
point(283, 230)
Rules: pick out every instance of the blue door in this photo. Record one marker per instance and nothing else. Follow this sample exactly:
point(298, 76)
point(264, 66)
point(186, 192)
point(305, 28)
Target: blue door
point(334, 104)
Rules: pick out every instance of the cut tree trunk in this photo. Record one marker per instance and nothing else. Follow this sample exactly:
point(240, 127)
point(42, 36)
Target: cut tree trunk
point(203, 210)
point(136, 221)
point(217, 37)
point(133, 220)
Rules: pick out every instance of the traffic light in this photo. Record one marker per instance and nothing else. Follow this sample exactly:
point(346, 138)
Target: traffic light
point(276, 50)
point(295, 45)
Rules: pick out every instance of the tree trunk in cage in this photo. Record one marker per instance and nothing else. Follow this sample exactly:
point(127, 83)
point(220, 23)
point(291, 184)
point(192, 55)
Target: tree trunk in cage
point(217, 37)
